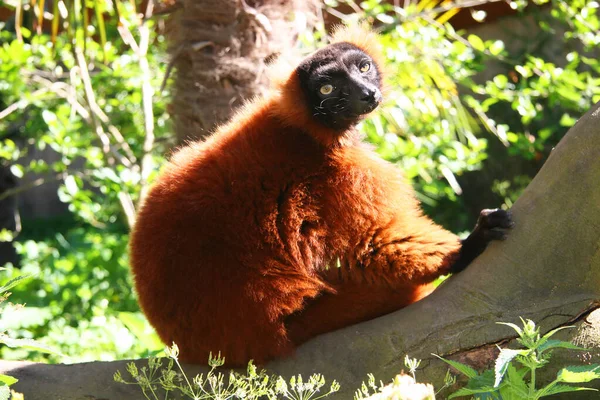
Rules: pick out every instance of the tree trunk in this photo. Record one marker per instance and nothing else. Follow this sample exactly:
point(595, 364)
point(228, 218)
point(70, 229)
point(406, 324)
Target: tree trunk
point(548, 270)
point(219, 48)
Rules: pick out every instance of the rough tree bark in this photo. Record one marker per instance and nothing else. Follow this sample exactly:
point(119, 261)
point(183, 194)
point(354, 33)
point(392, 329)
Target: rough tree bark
point(218, 48)
point(548, 270)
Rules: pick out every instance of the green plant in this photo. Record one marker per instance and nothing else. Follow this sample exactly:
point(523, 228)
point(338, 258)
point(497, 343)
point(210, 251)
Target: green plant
point(158, 381)
point(93, 109)
point(5, 380)
point(514, 375)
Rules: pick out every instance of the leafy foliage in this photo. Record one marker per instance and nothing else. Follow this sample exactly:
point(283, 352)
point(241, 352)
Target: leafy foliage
point(158, 382)
point(514, 374)
point(5, 380)
point(84, 107)
point(437, 122)
point(77, 299)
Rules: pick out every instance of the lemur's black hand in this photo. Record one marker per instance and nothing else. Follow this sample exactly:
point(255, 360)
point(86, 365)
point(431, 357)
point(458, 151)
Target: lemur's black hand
point(492, 224)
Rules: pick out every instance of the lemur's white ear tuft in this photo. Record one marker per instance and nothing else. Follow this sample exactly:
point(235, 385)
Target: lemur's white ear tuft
point(281, 68)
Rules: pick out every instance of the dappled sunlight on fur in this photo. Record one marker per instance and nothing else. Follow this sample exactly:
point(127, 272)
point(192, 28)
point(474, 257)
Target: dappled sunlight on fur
point(276, 229)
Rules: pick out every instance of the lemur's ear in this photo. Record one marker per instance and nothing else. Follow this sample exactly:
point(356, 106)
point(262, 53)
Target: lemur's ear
point(303, 69)
point(365, 39)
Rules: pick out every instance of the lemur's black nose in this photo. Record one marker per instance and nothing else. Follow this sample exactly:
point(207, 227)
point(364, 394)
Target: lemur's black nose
point(366, 99)
point(370, 96)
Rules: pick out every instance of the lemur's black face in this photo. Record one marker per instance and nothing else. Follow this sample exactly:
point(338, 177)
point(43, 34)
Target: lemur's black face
point(341, 83)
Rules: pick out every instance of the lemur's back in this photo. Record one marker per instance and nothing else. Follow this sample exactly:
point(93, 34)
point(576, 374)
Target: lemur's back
point(210, 251)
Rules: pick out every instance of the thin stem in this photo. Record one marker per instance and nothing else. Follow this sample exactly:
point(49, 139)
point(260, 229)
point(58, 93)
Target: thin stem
point(145, 394)
point(19, 104)
point(30, 185)
point(19, 20)
point(186, 378)
point(124, 198)
point(91, 100)
point(68, 93)
point(128, 207)
point(147, 94)
point(532, 384)
point(338, 14)
point(141, 49)
point(152, 390)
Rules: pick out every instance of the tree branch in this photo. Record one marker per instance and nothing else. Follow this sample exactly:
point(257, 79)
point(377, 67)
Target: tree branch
point(67, 92)
point(19, 104)
point(124, 198)
point(147, 94)
point(30, 185)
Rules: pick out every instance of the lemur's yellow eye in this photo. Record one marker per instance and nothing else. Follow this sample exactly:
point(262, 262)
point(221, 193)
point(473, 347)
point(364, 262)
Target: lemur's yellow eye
point(326, 89)
point(365, 67)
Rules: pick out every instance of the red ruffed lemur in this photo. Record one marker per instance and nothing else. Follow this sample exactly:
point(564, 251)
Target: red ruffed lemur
point(282, 225)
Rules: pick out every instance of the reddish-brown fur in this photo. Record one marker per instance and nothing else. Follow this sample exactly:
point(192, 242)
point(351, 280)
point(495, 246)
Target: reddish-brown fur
point(276, 229)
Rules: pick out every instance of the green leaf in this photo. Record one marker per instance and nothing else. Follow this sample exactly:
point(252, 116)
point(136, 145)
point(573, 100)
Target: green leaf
point(579, 373)
point(515, 387)
point(569, 94)
point(501, 81)
point(462, 392)
point(6, 235)
point(13, 282)
point(497, 47)
point(468, 392)
point(555, 389)
point(545, 133)
point(515, 327)
point(553, 331)
point(462, 368)
point(8, 380)
point(28, 344)
point(524, 70)
point(137, 324)
point(552, 344)
point(476, 42)
point(503, 362)
point(49, 117)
